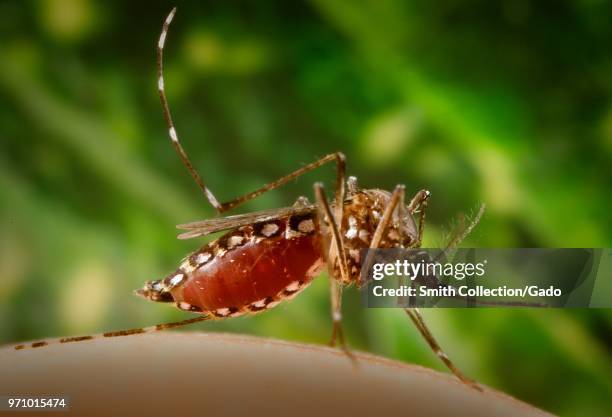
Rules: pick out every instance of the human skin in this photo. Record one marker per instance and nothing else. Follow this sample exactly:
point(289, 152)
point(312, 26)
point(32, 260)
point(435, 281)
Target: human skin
point(176, 373)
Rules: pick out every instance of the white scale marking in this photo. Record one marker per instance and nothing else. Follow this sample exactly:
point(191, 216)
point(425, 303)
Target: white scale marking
point(202, 258)
point(184, 306)
point(162, 40)
point(269, 229)
point(259, 303)
point(306, 226)
point(352, 231)
point(186, 267)
point(223, 311)
point(170, 16)
point(172, 133)
point(177, 279)
point(234, 241)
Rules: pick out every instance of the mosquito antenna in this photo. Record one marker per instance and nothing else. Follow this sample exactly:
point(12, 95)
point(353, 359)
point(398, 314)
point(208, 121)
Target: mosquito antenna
point(166, 109)
point(127, 332)
point(462, 234)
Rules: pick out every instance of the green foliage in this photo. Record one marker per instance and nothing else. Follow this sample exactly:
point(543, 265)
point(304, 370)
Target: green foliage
point(507, 103)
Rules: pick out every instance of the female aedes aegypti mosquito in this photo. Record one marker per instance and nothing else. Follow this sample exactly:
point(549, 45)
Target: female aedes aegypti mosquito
point(270, 256)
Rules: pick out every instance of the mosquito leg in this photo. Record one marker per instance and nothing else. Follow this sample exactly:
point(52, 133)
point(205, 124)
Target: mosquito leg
point(414, 313)
point(385, 221)
point(324, 212)
point(337, 244)
point(338, 157)
point(336, 307)
point(174, 139)
point(336, 249)
point(418, 321)
point(387, 216)
point(418, 199)
point(127, 332)
point(337, 240)
point(419, 204)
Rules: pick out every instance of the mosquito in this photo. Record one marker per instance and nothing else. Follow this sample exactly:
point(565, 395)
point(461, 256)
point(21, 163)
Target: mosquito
point(270, 256)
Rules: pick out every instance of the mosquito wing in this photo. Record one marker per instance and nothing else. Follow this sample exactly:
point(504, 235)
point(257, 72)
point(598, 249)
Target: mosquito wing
point(205, 227)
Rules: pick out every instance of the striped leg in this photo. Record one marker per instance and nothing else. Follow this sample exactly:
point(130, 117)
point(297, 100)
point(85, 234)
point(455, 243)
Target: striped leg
point(127, 332)
point(418, 204)
point(417, 319)
point(419, 201)
point(385, 221)
point(174, 139)
point(333, 253)
point(387, 216)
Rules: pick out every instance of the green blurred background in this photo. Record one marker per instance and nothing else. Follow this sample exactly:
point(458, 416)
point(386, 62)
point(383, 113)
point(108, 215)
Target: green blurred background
point(507, 103)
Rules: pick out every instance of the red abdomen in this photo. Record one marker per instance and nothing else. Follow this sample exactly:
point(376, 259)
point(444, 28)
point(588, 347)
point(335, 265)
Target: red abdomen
point(249, 269)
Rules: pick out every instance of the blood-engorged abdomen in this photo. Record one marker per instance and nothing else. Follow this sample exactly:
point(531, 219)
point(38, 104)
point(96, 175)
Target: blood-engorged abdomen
point(254, 276)
point(247, 270)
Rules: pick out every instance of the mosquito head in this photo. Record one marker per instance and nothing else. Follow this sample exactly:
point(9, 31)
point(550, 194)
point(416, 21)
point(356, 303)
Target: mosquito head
point(371, 204)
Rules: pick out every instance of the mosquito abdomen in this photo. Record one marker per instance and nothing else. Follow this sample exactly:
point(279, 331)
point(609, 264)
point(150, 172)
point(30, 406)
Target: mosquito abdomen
point(249, 269)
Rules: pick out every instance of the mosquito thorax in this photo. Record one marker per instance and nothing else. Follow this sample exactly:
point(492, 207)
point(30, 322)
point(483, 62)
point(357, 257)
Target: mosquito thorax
point(363, 211)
